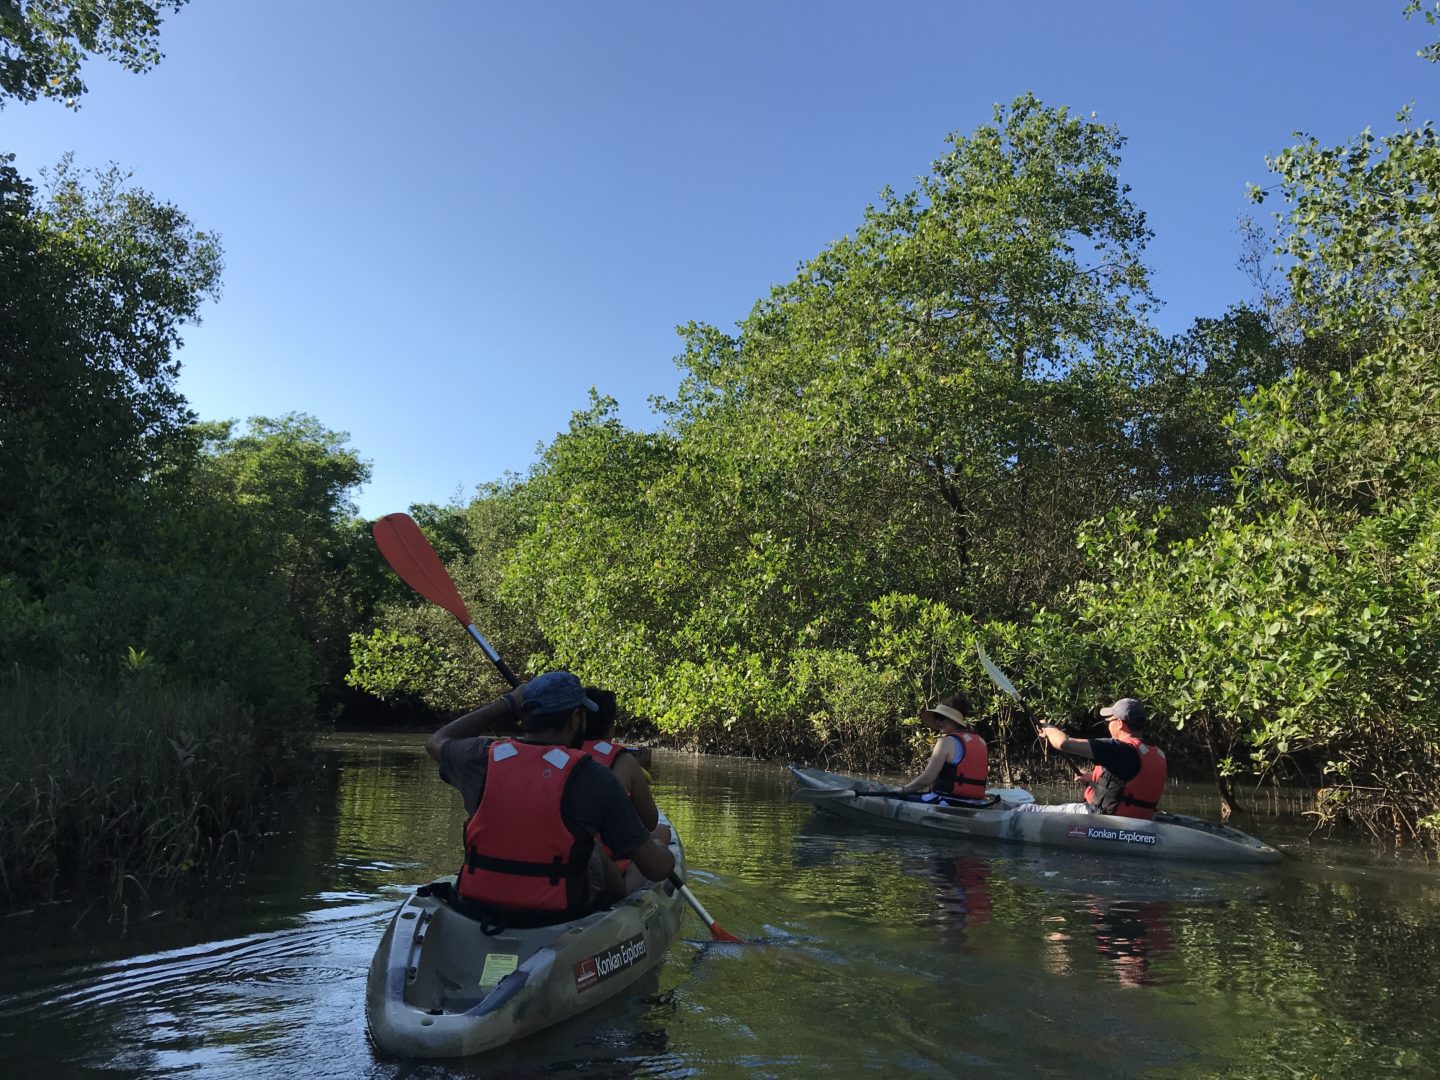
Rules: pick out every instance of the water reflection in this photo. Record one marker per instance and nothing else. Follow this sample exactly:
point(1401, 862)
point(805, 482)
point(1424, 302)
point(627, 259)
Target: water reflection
point(1327, 963)
point(1112, 911)
point(964, 893)
point(1128, 937)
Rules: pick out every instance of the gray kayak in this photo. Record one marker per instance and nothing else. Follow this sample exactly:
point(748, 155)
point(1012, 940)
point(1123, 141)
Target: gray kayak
point(439, 986)
point(1168, 836)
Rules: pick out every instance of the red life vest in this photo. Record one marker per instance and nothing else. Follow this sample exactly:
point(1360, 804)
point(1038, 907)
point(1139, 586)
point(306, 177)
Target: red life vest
point(1138, 796)
point(603, 751)
point(607, 753)
point(520, 852)
point(965, 778)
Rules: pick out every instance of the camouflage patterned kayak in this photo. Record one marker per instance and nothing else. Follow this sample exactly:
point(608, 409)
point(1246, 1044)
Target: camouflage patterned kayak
point(1169, 836)
point(440, 986)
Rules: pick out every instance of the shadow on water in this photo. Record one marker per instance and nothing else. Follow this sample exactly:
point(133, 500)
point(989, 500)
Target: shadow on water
point(882, 953)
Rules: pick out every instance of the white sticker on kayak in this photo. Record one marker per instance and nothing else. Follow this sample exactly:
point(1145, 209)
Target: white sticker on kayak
point(497, 966)
point(601, 966)
point(1124, 836)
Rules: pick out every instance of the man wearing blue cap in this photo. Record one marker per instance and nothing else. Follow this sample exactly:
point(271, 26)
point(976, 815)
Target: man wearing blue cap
point(536, 805)
point(1129, 773)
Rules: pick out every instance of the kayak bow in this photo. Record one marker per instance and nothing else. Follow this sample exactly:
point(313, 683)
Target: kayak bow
point(440, 986)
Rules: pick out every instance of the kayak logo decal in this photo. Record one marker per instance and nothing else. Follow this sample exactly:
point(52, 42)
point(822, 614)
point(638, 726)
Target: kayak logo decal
point(1124, 836)
point(605, 965)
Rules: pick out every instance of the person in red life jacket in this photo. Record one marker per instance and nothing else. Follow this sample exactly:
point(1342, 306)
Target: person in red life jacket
point(601, 725)
point(959, 761)
point(600, 744)
point(1129, 773)
point(536, 806)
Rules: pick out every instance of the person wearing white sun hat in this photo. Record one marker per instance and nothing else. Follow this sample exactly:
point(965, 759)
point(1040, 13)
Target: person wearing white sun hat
point(959, 761)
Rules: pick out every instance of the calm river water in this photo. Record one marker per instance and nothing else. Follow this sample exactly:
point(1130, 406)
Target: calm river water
point(881, 954)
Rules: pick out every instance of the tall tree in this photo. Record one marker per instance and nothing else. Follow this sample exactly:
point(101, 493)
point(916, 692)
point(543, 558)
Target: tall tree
point(96, 282)
point(960, 369)
point(290, 480)
point(1298, 631)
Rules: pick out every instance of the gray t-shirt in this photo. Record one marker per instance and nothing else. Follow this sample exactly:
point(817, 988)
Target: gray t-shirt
point(594, 800)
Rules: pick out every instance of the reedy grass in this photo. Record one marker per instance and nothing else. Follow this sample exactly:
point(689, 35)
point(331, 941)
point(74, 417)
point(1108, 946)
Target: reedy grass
point(138, 780)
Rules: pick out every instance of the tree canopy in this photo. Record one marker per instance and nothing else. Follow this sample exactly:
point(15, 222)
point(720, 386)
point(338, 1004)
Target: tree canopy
point(44, 42)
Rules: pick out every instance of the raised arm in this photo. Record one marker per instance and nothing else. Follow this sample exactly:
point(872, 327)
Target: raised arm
point(1062, 742)
point(476, 722)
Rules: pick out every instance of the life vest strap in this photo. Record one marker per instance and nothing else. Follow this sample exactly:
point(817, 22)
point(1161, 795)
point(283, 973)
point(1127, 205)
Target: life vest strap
point(557, 869)
point(1130, 800)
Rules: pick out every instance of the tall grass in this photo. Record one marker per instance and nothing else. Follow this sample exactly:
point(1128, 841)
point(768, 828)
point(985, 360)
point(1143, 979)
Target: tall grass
point(140, 782)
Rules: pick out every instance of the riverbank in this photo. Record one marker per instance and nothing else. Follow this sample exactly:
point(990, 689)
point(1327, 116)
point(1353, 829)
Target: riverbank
point(135, 783)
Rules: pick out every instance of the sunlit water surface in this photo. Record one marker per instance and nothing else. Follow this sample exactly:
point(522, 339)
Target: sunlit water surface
point(879, 953)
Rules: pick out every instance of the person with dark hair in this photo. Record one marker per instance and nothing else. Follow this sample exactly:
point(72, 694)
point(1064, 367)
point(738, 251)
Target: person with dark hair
point(600, 744)
point(959, 761)
point(536, 805)
point(1129, 773)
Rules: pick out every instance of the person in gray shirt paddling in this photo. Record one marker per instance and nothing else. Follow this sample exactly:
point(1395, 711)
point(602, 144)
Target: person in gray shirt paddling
point(536, 805)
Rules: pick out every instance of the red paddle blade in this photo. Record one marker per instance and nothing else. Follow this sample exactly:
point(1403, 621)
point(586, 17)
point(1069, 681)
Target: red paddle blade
point(414, 560)
point(719, 933)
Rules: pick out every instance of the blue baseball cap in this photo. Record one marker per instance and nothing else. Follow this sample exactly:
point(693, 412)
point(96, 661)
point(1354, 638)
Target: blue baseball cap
point(556, 692)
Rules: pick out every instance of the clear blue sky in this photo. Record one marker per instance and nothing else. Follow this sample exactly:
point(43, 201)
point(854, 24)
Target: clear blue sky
point(445, 221)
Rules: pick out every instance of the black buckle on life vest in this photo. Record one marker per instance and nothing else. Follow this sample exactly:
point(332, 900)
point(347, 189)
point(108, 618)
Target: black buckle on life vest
point(1130, 800)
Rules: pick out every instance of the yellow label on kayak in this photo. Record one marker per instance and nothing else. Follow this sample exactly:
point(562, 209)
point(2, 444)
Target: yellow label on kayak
point(497, 966)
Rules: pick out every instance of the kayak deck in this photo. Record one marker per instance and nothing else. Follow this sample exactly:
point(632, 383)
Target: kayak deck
point(1168, 836)
point(440, 986)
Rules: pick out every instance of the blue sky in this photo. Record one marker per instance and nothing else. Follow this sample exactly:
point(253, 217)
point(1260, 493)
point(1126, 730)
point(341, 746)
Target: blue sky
point(444, 222)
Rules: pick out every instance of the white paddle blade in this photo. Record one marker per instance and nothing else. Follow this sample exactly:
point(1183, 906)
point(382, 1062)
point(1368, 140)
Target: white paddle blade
point(1012, 795)
point(996, 675)
point(821, 794)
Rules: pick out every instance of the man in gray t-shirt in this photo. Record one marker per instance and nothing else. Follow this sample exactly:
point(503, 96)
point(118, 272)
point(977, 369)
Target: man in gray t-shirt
point(595, 800)
point(551, 709)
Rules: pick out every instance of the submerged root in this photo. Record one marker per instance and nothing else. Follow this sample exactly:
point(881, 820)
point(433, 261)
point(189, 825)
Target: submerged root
point(1387, 814)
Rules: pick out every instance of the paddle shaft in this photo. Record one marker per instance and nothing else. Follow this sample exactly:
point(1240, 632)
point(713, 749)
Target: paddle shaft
point(1018, 795)
point(717, 932)
point(814, 794)
point(500, 665)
